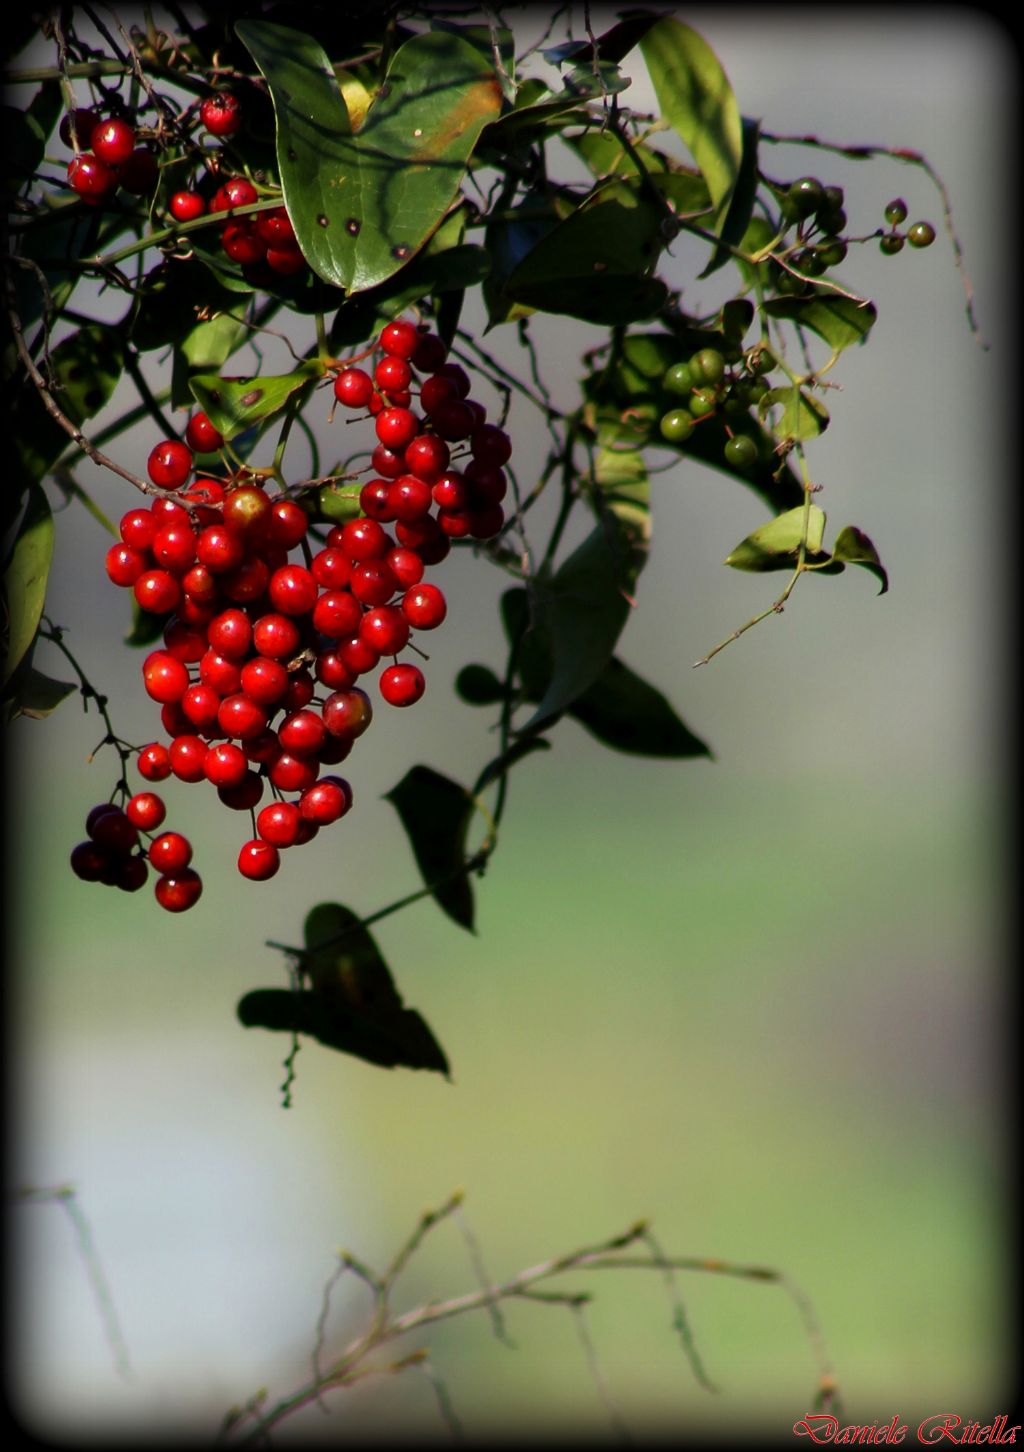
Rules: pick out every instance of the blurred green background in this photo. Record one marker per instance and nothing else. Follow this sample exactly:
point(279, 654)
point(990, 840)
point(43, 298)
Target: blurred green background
point(761, 1000)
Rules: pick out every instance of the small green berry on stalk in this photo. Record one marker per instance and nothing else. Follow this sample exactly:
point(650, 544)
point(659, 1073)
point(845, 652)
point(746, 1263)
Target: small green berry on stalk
point(703, 401)
point(740, 452)
point(678, 379)
point(677, 425)
point(896, 212)
point(921, 234)
point(806, 195)
point(707, 366)
point(891, 243)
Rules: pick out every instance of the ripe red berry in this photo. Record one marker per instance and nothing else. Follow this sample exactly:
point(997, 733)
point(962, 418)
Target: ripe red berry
point(230, 633)
point(287, 523)
point(138, 528)
point(392, 375)
point(246, 509)
point(292, 590)
point(325, 801)
point(201, 435)
point(170, 464)
point(225, 764)
point(241, 717)
point(373, 582)
point(386, 462)
point(264, 680)
point(331, 569)
point(124, 564)
point(278, 824)
point(113, 141)
point(258, 860)
point(164, 677)
point(186, 207)
point(337, 613)
point(396, 427)
point(224, 675)
point(90, 177)
point(188, 757)
point(174, 547)
point(410, 498)
point(353, 387)
point(373, 498)
point(146, 811)
point(200, 705)
point(348, 712)
point(386, 629)
point(406, 566)
point(244, 796)
point(427, 457)
point(364, 539)
point(153, 762)
point(221, 114)
point(247, 582)
point(402, 685)
point(277, 636)
point(302, 733)
point(242, 244)
point(291, 773)
point(285, 260)
point(424, 606)
point(170, 853)
point(400, 339)
point(83, 121)
point(157, 591)
point(179, 891)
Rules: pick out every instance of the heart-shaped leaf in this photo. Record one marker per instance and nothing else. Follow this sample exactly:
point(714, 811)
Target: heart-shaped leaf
point(841, 321)
point(627, 713)
point(802, 416)
point(364, 202)
point(852, 547)
point(775, 545)
point(436, 812)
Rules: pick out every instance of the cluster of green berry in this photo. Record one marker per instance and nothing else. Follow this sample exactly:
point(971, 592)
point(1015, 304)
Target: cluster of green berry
point(705, 386)
point(918, 234)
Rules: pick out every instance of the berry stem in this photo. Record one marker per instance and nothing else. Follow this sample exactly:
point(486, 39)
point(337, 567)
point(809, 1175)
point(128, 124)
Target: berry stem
point(55, 634)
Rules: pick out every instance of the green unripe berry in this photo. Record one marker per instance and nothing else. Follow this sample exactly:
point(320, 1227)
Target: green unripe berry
point(891, 243)
point(707, 366)
point(740, 452)
point(896, 212)
point(790, 286)
point(678, 379)
point(759, 361)
point(832, 198)
point(806, 195)
point(809, 262)
point(831, 220)
point(758, 388)
point(703, 401)
point(677, 425)
point(921, 234)
point(832, 253)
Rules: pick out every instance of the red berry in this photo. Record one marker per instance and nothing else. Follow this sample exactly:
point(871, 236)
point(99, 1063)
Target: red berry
point(301, 690)
point(188, 757)
point(285, 261)
point(353, 387)
point(157, 591)
point(402, 685)
point(201, 436)
point(396, 427)
point(112, 829)
point(325, 801)
point(264, 680)
point(138, 528)
point(170, 464)
point(113, 141)
point(364, 539)
point(241, 717)
point(225, 765)
point(153, 762)
point(451, 491)
point(258, 860)
point(245, 795)
point(348, 712)
point(90, 862)
point(337, 613)
point(91, 178)
point(247, 582)
point(246, 509)
point(220, 548)
point(436, 390)
point(427, 457)
point(292, 590)
point(406, 566)
point(287, 523)
point(386, 462)
point(373, 498)
point(373, 582)
point(357, 655)
point(331, 569)
point(275, 228)
point(179, 891)
point(124, 564)
point(186, 207)
point(185, 642)
point(291, 773)
point(170, 853)
point(410, 498)
point(221, 114)
point(278, 824)
point(424, 606)
point(200, 705)
point(230, 633)
point(392, 375)
point(146, 811)
point(83, 121)
point(237, 191)
point(224, 675)
point(333, 671)
point(386, 629)
point(303, 733)
point(242, 244)
point(164, 677)
point(400, 339)
point(174, 547)
point(276, 636)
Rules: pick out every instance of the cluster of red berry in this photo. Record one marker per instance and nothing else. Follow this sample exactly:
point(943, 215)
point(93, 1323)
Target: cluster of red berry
point(251, 633)
point(263, 244)
point(106, 157)
point(112, 853)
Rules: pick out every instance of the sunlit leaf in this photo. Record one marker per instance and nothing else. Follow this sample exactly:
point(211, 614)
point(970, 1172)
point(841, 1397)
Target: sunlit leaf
point(236, 404)
point(802, 416)
point(852, 547)
point(696, 99)
point(436, 812)
point(841, 321)
point(364, 202)
point(776, 544)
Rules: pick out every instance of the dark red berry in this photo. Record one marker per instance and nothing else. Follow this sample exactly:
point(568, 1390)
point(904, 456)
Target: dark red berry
point(170, 464)
point(179, 891)
point(402, 685)
point(221, 114)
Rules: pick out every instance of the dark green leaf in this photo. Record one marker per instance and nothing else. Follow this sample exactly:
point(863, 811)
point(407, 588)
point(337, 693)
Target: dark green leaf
point(852, 547)
point(525, 746)
point(614, 45)
point(146, 626)
point(236, 404)
point(626, 713)
point(741, 206)
point(584, 608)
point(365, 313)
point(25, 577)
point(696, 99)
point(351, 1004)
point(529, 637)
point(30, 693)
point(479, 686)
point(363, 203)
point(436, 813)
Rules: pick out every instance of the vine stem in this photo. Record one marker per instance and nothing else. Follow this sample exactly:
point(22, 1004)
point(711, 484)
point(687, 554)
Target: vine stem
point(55, 634)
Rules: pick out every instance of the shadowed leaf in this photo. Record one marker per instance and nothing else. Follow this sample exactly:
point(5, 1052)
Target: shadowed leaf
point(236, 404)
point(436, 812)
point(25, 577)
point(627, 713)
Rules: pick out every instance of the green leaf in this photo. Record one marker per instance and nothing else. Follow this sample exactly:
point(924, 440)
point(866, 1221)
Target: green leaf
point(627, 713)
point(436, 812)
point(207, 347)
point(500, 765)
point(31, 693)
point(529, 637)
point(477, 685)
point(852, 547)
point(351, 1004)
point(584, 608)
point(25, 577)
point(363, 203)
point(802, 417)
point(741, 205)
point(696, 99)
point(365, 313)
point(146, 626)
point(841, 321)
point(776, 544)
point(236, 404)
